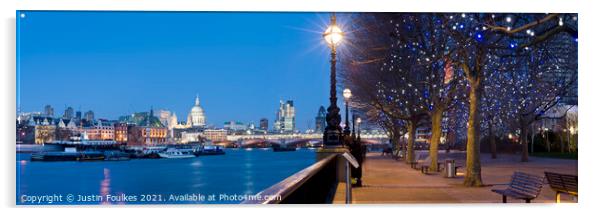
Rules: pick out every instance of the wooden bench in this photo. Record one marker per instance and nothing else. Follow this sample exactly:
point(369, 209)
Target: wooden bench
point(562, 183)
point(522, 186)
point(424, 168)
point(418, 158)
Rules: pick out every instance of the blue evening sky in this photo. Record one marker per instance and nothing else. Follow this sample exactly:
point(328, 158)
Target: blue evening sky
point(115, 63)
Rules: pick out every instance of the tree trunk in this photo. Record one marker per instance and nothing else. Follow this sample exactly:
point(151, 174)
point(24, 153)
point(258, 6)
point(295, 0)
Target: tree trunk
point(561, 143)
point(436, 117)
point(411, 139)
point(473, 160)
point(547, 135)
point(532, 137)
point(395, 135)
point(524, 143)
point(492, 144)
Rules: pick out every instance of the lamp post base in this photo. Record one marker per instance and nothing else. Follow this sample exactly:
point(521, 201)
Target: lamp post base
point(332, 139)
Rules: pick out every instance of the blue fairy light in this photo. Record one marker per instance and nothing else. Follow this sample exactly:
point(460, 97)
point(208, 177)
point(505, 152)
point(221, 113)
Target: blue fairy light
point(479, 36)
point(512, 45)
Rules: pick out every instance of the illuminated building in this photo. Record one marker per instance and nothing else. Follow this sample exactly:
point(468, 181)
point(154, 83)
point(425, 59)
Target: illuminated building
point(235, 126)
point(263, 124)
point(48, 111)
point(147, 135)
point(285, 117)
point(121, 132)
point(196, 117)
point(89, 116)
point(68, 113)
point(321, 120)
point(215, 134)
point(102, 130)
point(44, 133)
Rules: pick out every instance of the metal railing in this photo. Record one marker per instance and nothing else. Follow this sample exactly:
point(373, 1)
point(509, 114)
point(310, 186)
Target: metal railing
point(313, 185)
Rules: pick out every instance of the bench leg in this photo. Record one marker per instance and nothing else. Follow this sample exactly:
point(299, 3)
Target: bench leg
point(503, 198)
point(557, 197)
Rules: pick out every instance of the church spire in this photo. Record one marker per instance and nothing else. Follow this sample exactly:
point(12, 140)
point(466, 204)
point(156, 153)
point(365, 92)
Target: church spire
point(197, 102)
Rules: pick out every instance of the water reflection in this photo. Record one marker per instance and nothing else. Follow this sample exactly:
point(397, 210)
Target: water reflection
point(105, 185)
point(236, 172)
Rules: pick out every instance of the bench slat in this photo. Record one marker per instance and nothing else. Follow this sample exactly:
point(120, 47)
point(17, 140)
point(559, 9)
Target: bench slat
point(562, 182)
point(523, 186)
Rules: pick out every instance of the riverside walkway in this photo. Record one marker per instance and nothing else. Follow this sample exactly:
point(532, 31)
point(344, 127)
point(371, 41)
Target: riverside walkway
point(388, 181)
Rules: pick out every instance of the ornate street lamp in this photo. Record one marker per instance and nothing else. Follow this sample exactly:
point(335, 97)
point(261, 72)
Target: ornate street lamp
point(332, 134)
point(347, 96)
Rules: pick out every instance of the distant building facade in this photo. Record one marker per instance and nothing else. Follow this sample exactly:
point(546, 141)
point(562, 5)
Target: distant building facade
point(102, 130)
point(68, 113)
point(321, 120)
point(264, 124)
point(215, 135)
point(121, 132)
point(78, 115)
point(89, 116)
point(48, 111)
point(235, 126)
point(146, 135)
point(196, 117)
point(285, 117)
point(44, 133)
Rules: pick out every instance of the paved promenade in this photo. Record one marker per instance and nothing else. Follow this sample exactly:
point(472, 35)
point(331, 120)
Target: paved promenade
point(389, 181)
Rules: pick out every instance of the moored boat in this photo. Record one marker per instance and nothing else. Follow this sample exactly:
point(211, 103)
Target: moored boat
point(279, 148)
point(116, 156)
point(174, 153)
point(209, 150)
point(68, 156)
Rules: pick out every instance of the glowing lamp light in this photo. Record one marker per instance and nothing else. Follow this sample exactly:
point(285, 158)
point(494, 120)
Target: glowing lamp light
point(359, 120)
point(333, 35)
point(572, 130)
point(346, 94)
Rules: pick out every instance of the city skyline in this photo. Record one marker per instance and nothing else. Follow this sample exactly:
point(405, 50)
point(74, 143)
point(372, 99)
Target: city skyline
point(69, 112)
point(124, 62)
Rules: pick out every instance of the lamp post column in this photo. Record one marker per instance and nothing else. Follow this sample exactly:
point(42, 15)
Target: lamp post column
point(353, 126)
point(346, 131)
point(332, 134)
point(359, 130)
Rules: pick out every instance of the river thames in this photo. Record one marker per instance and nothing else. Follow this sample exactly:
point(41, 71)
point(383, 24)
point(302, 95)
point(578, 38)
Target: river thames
point(223, 179)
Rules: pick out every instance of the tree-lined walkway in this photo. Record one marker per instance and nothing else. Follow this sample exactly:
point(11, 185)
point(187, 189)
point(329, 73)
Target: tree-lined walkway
point(389, 181)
